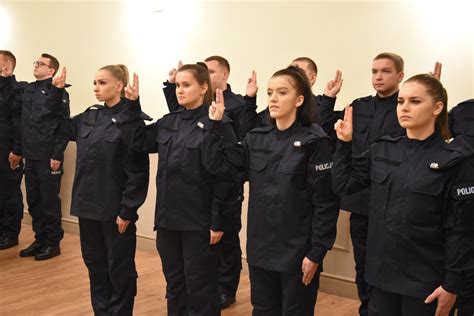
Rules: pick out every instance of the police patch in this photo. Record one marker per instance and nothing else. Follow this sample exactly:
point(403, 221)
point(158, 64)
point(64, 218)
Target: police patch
point(323, 167)
point(463, 192)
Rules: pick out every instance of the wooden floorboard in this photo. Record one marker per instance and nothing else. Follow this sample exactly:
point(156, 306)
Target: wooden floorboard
point(60, 286)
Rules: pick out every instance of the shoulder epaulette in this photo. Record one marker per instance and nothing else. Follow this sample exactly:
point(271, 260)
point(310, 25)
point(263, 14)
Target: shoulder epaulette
point(389, 138)
point(363, 99)
point(95, 107)
point(174, 112)
point(264, 129)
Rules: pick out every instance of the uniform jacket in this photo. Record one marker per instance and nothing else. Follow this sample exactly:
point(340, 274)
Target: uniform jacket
point(10, 114)
point(188, 196)
point(414, 243)
point(373, 117)
point(110, 179)
point(292, 209)
point(39, 141)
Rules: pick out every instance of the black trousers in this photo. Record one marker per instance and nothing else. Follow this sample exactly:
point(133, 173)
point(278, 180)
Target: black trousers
point(390, 304)
point(279, 293)
point(190, 268)
point(44, 204)
point(11, 198)
point(230, 258)
point(359, 228)
point(110, 258)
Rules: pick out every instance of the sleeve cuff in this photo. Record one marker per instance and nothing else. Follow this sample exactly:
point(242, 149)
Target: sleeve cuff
point(134, 105)
point(453, 282)
point(344, 147)
point(57, 156)
point(317, 254)
point(128, 214)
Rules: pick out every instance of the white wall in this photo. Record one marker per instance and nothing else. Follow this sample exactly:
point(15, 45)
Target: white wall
point(260, 35)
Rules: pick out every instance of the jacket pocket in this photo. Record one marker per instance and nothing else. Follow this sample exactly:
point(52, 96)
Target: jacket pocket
point(112, 146)
point(426, 202)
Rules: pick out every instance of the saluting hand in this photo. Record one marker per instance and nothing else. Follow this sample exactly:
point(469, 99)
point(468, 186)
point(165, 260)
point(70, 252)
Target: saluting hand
point(7, 69)
point(55, 164)
point(60, 81)
point(344, 127)
point(172, 73)
point(215, 237)
point(309, 269)
point(131, 91)
point(252, 86)
point(334, 86)
point(14, 160)
point(122, 224)
point(216, 110)
point(437, 70)
point(445, 301)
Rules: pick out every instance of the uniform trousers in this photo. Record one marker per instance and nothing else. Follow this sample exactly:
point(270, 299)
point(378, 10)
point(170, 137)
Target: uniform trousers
point(190, 268)
point(110, 258)
point(44, 205)
point(282, 293)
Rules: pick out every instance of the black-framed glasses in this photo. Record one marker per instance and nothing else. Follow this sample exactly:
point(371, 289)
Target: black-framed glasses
point(38, 63)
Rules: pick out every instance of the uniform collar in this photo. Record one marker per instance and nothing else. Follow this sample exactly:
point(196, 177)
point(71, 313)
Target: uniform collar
point(120, 106)
point(416, 143)
point(289, 131)
point(389, 99)
point(194, 113)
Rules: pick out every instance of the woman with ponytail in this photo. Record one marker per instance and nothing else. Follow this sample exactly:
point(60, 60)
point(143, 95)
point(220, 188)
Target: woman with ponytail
point(419, 186)
point(110, 184)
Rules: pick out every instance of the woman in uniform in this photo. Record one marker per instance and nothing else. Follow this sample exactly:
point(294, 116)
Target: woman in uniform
point(188, 219)
point(110, 184)
point(292, 210)
point(414, 250)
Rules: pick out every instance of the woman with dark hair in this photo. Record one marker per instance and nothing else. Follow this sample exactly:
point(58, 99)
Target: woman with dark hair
point(188, 219)
point(415, 252)
point(292, 210)
point(110, 184)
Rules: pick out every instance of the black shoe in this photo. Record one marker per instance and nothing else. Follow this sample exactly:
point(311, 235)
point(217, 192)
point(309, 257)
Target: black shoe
point(8, 242)
point(226, 300)
point(47, 252)
point(32, 249)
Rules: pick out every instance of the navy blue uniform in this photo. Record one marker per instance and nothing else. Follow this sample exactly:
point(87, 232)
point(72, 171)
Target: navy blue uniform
point(110, 180)
point(11, 198)
point(461, 123)
point(230, 255)
point(189, 203)
point(39, 145)
point(414, 243)
point(292, 210)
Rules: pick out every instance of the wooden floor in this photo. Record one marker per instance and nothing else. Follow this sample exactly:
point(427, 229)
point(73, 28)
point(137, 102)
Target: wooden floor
point(60, 286)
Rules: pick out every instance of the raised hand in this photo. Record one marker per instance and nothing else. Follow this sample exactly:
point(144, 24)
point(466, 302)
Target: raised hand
point(437, 70)
point(344, 127)
point(14, 160)
point(334, 86)
point(309, 269)
point(131, 91)
point(7, 69)
point(172, 73)
point(252, 86)
point(216, 110)
point(60, 81)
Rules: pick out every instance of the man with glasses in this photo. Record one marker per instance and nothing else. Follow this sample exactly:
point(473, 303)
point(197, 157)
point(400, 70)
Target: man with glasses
point(43, 153)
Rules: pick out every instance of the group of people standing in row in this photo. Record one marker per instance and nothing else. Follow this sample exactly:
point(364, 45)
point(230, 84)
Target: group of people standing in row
point(389, 159)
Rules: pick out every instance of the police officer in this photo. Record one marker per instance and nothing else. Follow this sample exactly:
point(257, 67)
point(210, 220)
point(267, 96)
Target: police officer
point(188, 224)
point(110, 184)
point(11, 164)
point(374, 116)
point(230, 254)
point(43, 153)
point(292, 211)
point(461, 119)
point(415, 253)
